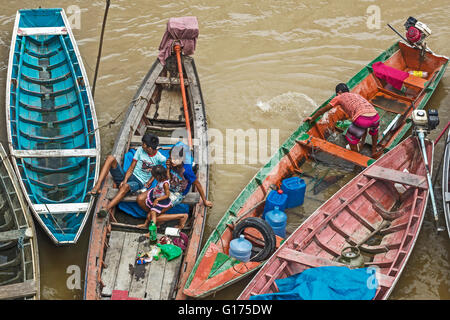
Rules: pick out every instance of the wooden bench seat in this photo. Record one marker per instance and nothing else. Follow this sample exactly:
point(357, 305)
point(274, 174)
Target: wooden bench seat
point(137, 141)
point(335, 150)
point(18, 290)
point(191, 198)
point(396, 176)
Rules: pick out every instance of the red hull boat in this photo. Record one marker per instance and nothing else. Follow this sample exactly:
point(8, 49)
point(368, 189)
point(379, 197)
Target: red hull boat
point(385, 203)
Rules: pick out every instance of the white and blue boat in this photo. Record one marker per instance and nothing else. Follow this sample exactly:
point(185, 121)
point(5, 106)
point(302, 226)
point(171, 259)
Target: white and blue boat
point(51, 122)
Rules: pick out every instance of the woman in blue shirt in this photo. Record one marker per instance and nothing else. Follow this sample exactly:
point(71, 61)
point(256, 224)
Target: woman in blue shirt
point(182, 177)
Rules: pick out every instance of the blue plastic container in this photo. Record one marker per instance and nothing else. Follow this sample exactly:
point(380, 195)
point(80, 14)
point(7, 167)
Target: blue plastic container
point(240, 249)
point(277, 219)
point(294, 188)
point(275, 199)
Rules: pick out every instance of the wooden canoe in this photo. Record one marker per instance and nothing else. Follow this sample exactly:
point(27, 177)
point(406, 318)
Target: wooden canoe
point(19, 258)
point(368, 207)
point(155, 108)
point(302, 151)
point(51, 123)
point(446, 182)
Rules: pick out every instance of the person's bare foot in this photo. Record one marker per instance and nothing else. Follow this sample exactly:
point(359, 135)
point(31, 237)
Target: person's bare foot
point(147, 235)
point(142, 226)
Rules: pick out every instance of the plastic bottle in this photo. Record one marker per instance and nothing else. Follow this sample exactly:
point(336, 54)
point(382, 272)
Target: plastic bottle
point(152, 232)
point(277, 219)
point(240, 249)
point(420, 74)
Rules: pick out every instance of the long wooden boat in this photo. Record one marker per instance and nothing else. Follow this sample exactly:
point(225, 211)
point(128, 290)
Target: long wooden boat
point(369, 214)
point(19, 257)
point(155, 108)
point(51, 122)
point(302, 153)
point(446, 183)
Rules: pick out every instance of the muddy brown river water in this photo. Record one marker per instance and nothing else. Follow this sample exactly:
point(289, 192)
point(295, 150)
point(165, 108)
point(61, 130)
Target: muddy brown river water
point(263, 65)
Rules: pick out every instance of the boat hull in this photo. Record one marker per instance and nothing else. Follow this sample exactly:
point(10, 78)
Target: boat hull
point(51, 123)
point(139, 119)
point(370, 205)
point(20, 276)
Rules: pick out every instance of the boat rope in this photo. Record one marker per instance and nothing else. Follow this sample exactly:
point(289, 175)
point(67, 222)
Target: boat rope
point(113, 121)
point(20, 241)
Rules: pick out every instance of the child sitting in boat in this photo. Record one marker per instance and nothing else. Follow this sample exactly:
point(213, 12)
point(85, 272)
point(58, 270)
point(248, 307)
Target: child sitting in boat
point(182, 177)
point(137, 176)
point(158, 198)
point(362, 113)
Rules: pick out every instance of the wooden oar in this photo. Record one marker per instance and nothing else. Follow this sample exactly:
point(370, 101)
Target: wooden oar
point(177, 49)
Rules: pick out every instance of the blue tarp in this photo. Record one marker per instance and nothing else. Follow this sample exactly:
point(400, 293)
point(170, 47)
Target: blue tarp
point(132, 208)
point(325, 283)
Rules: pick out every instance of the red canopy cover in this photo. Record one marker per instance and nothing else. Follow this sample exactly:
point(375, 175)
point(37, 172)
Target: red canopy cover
point(183, 30)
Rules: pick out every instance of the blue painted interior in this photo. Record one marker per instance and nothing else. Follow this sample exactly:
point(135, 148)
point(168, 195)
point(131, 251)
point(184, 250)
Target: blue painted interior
point(50, 110)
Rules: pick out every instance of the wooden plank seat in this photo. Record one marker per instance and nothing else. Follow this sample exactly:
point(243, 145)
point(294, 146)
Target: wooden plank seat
point(396, 176)
point(56, 153)
point(190, 198)
point(314, 262)
point(16, 234)
point(18, 290)
point(55, 208)
point(333, 149)
point(416, 82)
point(41, 31)
point(137, 141)
point(172, 80)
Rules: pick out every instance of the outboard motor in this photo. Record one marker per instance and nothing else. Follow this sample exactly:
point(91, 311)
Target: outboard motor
point(423, 123)
point(416, 31)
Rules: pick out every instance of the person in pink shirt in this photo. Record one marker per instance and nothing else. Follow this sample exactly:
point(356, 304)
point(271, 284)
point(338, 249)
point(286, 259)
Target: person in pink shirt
point(362, 113)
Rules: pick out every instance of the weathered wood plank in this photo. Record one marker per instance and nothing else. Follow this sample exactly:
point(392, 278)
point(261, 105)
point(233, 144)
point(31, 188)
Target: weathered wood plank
point(137, 141)
point(396, 176)
point(55, 153)
point(141, 273)
point(190, 198)
point(155, 279)
point(112, 261)
point(172, 80)
point(18, 290)
point(170, 278)
point(16, 234)
point(127, 261)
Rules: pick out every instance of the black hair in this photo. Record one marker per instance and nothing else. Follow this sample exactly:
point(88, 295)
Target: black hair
point(342, 87)
point(150, 140)
point(159, 171)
